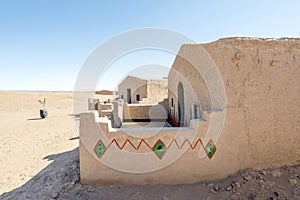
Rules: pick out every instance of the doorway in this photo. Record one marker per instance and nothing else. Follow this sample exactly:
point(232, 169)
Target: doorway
point(129, 95)
point(180, 104)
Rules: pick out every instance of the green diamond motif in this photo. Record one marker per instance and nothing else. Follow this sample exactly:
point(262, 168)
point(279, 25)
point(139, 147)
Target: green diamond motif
point(210, 149)
point(100, 148)
point(159, 149)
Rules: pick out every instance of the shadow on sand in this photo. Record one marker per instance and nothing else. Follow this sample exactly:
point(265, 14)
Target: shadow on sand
point(60, 180)
point(74, 138)
point(76, 117)
point(60, 174)
point(33, 119)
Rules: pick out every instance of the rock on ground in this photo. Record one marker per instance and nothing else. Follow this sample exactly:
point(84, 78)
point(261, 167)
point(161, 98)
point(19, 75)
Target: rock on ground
point(60, 180)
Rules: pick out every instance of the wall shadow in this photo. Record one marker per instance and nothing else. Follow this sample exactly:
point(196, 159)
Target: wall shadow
point(60, 174)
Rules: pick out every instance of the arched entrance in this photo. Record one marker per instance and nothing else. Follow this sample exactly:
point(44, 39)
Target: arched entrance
point(180, 97)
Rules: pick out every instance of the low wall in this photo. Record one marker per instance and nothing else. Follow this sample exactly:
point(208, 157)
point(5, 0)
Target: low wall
point(140, 112)
point(104, 106)
point(127, 155)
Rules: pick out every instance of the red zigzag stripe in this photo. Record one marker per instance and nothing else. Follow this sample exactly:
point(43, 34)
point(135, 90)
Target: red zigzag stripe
point(121, 147)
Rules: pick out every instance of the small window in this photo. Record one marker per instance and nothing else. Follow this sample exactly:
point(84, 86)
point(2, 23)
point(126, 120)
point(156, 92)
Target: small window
point(138, 97)
point(122, 96)
point(172, 102)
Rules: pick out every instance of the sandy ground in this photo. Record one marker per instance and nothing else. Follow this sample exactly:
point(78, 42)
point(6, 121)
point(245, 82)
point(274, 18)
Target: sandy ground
point(25, 140)
point(39, 160)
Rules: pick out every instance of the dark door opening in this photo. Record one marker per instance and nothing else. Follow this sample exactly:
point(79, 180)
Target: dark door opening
point(129, 95)
point(180, 104)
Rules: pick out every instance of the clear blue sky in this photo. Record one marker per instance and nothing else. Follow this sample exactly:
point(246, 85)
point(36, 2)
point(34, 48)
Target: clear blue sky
point(44, 43)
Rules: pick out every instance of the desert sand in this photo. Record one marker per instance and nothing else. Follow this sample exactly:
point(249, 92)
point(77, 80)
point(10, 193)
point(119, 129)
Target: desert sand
point(26, 140)
point(39, 160)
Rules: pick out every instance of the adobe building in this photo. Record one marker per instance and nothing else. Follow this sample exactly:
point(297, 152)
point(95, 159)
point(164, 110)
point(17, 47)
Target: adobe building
point(140, 100)
point(143, 91)
point(237, 104)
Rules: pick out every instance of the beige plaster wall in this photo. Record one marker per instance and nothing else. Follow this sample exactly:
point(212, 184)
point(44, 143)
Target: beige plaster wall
point(262, 79)
point(261, 129)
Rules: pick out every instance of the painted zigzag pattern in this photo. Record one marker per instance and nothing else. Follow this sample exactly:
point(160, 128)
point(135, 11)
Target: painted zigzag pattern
point(159, 147)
